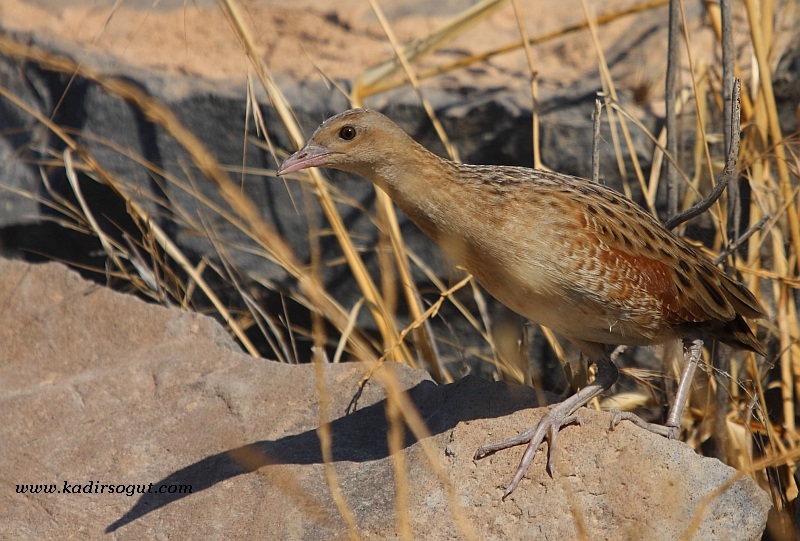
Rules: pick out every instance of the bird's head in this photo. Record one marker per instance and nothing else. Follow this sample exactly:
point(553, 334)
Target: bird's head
point(359, 141)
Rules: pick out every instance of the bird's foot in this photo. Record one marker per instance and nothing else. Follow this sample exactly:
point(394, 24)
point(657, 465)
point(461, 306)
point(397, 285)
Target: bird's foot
point(546, 429)
point(669, 432)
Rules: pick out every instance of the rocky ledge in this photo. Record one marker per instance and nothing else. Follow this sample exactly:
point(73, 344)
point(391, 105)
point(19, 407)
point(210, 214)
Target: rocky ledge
point(119, 417)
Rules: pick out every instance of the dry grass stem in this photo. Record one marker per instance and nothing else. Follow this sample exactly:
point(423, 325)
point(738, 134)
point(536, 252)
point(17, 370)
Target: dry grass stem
point(382, 317)
point(727, 175)
point(376, 78)
point(608, 81)
point(526, 45)
point(325, 442)
point(378, 84)
point(396, 439)
point(357, 99)
point(415, 423)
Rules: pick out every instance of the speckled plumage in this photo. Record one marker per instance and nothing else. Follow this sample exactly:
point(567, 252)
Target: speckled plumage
point(562, 251)
point(565, 252)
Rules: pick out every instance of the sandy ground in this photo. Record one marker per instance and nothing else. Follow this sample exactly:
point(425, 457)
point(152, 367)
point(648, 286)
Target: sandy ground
point(322, 40)
point(308, 39)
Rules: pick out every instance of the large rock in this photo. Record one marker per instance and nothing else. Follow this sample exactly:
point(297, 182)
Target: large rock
point(100, 392)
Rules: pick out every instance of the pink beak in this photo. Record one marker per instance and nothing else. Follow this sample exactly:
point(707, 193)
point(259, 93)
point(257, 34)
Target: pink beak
point(308, 156)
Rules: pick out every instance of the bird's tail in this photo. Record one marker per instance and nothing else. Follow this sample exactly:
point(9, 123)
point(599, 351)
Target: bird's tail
point(736, 333)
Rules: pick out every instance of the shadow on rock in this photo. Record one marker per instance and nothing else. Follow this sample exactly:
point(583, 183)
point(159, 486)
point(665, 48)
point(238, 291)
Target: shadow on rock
point(357, 437)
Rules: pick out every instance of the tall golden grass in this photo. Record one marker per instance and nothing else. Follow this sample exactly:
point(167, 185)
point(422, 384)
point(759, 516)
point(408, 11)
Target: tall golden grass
point(762, 444)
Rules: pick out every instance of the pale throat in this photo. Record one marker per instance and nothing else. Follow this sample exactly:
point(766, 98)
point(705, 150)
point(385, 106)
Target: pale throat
point(421, 184)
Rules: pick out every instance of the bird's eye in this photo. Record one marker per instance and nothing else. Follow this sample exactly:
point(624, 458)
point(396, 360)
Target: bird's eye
point(347, 133)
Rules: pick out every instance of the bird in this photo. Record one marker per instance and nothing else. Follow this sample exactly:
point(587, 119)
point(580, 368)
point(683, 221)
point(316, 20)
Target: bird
point(564, 252)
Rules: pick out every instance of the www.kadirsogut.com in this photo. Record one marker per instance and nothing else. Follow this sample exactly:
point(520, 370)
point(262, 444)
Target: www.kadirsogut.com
point(95, 487)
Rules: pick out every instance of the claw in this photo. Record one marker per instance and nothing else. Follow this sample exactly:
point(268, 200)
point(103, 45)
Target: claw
point(546, 430)
point(616, 419)
point(669, 432)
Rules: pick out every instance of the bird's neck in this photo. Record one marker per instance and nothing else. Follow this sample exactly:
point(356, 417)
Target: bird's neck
point(421, 184)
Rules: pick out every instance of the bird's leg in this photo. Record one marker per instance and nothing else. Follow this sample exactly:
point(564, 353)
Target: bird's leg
point(558, 416)
point(672, 429)
point(692, 355)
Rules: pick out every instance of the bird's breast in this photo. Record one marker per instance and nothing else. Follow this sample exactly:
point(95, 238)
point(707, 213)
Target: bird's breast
point(550, 268)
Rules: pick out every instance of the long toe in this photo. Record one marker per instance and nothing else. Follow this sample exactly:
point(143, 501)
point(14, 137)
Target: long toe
point(545, 430)
point(669, 432)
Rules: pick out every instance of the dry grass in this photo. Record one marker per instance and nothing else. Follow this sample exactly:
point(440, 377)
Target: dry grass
point(761, 444)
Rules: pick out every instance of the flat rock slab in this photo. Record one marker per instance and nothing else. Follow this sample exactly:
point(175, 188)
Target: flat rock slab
point(101, 393)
